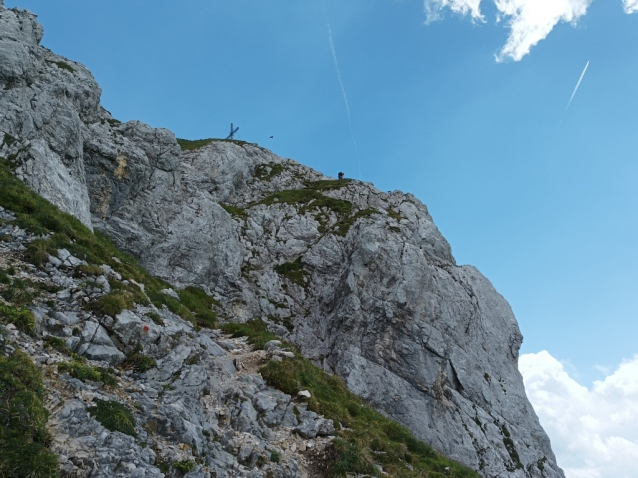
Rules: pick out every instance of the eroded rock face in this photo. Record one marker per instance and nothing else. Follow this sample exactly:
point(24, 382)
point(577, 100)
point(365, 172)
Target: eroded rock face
point(360, 279)
point(194, 402)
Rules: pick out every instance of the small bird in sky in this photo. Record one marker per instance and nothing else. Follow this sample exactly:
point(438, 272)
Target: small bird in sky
point(272, 137)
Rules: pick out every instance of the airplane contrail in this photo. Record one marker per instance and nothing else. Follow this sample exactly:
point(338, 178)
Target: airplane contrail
point(582, 75)
point(577, 85)
point(343, 90)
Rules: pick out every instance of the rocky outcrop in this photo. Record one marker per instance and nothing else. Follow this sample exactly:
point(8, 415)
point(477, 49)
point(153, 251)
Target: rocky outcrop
point(361, 280)
point(198, 403)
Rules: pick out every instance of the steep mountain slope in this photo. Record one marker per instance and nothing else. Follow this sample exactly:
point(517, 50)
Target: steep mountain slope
point(361, 280)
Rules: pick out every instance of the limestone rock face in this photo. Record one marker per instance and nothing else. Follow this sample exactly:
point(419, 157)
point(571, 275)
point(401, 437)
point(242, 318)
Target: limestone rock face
point(361, 280)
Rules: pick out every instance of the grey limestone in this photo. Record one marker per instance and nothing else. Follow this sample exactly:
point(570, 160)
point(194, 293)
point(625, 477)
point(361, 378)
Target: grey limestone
point(381, 301)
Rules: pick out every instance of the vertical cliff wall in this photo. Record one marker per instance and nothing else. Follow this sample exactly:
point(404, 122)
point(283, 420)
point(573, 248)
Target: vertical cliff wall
point(361, 280)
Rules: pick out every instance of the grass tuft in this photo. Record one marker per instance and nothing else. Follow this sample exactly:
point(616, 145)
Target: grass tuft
point(114, 416)
point(24, 438)
point(184, 466)
point(139, 363)
point(234, 210)
point(256, 330)
point(308, 199)
point(22, 318)
point(56, 343)
point(189, 145)
point(342, 227)
point(38, 252)
point(265, 172)
point(327, 185)
point(62, 65)
point(294, 272)
point(77, 368)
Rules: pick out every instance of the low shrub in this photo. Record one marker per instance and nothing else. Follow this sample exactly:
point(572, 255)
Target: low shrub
point(56, 343)
point(77, 368)
point(38, 252)
point(155, 318)
point(24, 438)
point(184, 466)
point(256, 330)
point(114, 416)
point(138, 363)
point(22, 318)
point(293, 271)
point(265, 172)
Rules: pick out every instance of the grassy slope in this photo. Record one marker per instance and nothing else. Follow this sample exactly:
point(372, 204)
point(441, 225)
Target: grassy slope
point(369, 438)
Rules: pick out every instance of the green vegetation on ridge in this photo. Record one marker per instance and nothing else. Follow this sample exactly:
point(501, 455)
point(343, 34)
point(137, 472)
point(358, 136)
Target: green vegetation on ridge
point(24, 439)
point(366, 438)
point(189, 145)
point(63, 231)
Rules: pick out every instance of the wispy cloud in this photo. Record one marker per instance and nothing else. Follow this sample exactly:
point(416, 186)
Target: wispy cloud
point(338, 70)
point(593, 430)
point(529, 21)
point(433, 9)
point(343, 92)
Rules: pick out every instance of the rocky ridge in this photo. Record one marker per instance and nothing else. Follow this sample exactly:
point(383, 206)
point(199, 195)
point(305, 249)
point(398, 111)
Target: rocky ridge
point(361, 280)
point(199, 404)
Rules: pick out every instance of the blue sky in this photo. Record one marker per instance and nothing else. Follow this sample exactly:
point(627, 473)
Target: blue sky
point(546, 212)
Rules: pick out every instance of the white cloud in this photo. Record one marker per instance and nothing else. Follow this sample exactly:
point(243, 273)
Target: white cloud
point(593, 431)
point(530, 21)
point(631, 6)
point(433, 8)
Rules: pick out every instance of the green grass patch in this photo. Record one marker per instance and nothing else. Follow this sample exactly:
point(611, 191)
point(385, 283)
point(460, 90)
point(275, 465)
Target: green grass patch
point(138, 363)
point(38, 252)
point(155, 318)
point(56, 343)
point(87, 270)
point(184, 466)
point(265, 172)
point(62, 65)
point(394, 214)
point(342, 227)
point(114, 416)
point(189, 145)
point(24, 438)
point(40, 217)
point(200, 305)
point(369, 438)
point(234, 211)
point(328, 184)
point(20, 292)
point(4, 277)
point(114, 302)
point(256, 331)
point(22, 318)
point(77, 368)
point(294, 272)
point(8, 140)
point(308, 199)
